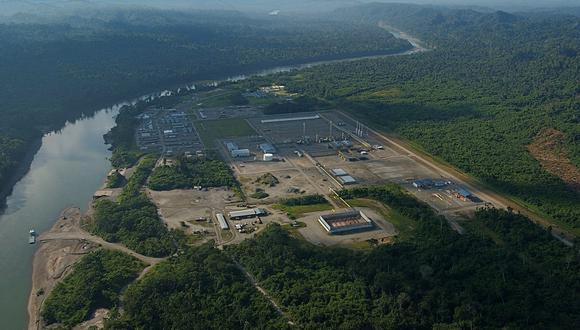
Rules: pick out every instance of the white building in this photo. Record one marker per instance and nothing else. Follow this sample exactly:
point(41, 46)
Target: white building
point(222, 221)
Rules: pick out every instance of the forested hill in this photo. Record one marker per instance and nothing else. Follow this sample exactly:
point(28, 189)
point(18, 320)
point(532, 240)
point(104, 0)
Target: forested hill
point(493, 83)
point(55, 69)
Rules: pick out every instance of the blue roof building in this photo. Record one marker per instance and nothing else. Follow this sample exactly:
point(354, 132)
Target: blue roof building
point(267, 148)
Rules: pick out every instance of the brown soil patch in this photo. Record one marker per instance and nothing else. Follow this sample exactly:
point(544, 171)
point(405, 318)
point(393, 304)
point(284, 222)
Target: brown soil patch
point(53, 261)
point(548, 148)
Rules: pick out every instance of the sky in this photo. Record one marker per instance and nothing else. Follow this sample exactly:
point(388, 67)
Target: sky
point(10, 7)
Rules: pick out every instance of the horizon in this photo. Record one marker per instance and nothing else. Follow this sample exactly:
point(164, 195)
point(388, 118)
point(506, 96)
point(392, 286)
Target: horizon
point(56, 7)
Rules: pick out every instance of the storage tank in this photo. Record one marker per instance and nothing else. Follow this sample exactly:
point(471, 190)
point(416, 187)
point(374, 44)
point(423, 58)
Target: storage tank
point(268, 157)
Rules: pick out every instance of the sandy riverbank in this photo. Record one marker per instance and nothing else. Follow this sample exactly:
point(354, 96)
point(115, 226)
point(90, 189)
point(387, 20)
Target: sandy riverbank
point(53, 261)
point(60, 248)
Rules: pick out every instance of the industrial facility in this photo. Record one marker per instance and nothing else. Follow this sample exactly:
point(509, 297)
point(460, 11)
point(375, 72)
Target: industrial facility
point(267, 148)
point(346, 180)
point(235, 151)
point(341, 223)
point(169, 131)
point(429, 183)
point(222, 221)
point(343, 177)
point(463, 194)
point(247, 214)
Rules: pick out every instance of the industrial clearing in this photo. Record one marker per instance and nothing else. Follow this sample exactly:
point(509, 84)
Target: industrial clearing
point(288, 169)
point(286, 156)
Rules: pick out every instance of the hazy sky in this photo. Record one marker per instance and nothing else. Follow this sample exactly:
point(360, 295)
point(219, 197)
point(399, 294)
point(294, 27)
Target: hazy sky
point(9, 7)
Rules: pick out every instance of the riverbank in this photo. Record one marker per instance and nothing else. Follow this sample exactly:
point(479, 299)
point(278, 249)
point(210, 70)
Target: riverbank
point(54, 260)
point(53, 183)
point(17, 173)
point(241, 74)
point(60, 249)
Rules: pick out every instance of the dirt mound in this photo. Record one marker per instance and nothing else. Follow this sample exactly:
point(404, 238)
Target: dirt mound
point(549, 149)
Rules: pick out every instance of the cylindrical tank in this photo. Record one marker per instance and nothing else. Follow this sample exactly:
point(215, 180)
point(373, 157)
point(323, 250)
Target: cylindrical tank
point(268, 157)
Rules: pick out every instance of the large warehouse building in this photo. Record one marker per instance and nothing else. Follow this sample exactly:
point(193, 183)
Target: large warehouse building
point(340, 223)
point(247, 214)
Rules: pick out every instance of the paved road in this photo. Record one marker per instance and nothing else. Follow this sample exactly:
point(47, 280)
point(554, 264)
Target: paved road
point(455, 175)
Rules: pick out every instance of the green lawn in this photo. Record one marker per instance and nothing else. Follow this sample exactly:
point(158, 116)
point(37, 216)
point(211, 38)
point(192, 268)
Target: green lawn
point(215, 99)
point(263, 101)
point(212, 130)
point(300, 210)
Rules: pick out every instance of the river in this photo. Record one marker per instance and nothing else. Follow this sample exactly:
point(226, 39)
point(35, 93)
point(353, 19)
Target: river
point(69, 166)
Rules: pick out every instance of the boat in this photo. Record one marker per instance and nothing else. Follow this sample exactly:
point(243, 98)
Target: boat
point(32, 237)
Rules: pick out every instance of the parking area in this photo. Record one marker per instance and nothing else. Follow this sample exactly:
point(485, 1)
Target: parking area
point(168, 131)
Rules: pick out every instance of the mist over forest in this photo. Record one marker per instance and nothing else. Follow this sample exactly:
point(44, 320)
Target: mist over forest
point(56, 7)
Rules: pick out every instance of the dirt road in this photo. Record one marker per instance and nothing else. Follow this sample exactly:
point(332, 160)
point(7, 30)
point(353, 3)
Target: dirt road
point(496, 199)
point(84, 236)
point(60, 249)
point(254, 283)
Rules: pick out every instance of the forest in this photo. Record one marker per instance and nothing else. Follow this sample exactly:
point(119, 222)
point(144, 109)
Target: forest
point(62, 68)
point(489, 85)
point(522, 279)
point(133, 220)
point(96, 282)
point(504, 272)
point(187, 173)
point(304, 200)
point(199, 289)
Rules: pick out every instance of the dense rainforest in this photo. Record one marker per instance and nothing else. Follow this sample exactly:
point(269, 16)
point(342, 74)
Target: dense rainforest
point(476, 100)
point(96, 282)
point(504, 272)
point(61, 68)
point(133, 219)
point(491, 83)
point(199, 289)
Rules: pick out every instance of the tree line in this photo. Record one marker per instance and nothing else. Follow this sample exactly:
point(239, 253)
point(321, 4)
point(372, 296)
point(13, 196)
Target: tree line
point(490, 84)
point(65, 68)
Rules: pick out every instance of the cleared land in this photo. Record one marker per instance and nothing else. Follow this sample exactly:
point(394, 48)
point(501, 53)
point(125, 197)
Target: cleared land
point(382, 232)
point(212, 130)
point(292, 183)
point(548, 149)
point(299, 211)
point(193, 211)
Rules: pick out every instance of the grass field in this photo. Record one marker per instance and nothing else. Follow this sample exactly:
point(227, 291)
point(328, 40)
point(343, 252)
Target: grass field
point(404, 225)
point(211, 130)
point(212, 99)
point(300, 210)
